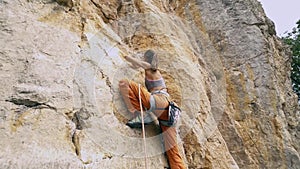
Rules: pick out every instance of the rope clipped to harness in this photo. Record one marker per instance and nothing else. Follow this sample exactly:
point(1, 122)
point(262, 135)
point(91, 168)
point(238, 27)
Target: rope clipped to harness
point(143, 126)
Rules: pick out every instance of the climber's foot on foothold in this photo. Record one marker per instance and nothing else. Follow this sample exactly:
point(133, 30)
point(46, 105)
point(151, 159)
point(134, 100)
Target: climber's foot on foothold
point(137, 121)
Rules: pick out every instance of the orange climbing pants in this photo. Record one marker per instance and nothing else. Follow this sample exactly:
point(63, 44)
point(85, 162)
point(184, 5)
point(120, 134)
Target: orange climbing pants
point(130, 93)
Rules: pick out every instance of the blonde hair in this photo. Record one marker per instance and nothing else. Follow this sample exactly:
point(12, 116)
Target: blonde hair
point(151, 57)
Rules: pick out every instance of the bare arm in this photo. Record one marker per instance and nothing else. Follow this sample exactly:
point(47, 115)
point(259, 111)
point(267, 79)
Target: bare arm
point(138, 63)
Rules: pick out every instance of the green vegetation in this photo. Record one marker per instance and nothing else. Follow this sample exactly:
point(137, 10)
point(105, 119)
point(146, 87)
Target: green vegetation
point(293, 40)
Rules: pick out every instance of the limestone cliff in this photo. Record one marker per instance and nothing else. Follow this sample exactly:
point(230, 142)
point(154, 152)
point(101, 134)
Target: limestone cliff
point(61, 62)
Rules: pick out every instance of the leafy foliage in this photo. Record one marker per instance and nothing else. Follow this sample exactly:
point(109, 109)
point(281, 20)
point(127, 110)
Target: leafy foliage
point(293, 40)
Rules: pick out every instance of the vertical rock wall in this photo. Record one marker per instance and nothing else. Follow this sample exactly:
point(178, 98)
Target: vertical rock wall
point(61, 62)
point(262, 109)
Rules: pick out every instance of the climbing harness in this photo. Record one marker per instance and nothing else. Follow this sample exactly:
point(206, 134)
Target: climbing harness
point(143, 127)
point(174, 111)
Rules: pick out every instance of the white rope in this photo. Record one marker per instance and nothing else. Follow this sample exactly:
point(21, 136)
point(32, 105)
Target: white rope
point(143, 126)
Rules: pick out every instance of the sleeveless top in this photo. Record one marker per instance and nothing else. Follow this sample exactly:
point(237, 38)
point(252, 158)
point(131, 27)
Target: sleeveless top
point(155, 83)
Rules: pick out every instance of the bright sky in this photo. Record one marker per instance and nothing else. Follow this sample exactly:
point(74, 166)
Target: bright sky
point(284, 13)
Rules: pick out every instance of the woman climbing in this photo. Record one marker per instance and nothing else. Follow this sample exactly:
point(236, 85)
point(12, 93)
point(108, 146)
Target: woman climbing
point(155, 86)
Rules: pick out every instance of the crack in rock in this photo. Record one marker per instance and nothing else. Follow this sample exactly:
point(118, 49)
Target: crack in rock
point(30, 103)
point(78, 120)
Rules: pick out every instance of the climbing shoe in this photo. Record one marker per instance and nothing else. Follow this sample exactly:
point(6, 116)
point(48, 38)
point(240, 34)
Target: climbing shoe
point(137, 121)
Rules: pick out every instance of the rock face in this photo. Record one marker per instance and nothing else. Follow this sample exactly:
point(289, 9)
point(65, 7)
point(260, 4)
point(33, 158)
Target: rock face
point(223, 64)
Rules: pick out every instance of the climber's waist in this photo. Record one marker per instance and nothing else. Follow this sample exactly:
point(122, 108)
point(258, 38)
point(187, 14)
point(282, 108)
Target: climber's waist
point(160, 92)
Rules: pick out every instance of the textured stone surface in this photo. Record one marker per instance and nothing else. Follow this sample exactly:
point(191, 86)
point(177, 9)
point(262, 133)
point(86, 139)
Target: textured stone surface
point(223, 64)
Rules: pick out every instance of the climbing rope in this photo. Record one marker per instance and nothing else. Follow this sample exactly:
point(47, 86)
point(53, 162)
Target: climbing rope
point(143, 127)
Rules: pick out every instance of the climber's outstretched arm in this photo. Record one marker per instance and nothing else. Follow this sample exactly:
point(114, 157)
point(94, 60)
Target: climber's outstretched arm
point(138, 63)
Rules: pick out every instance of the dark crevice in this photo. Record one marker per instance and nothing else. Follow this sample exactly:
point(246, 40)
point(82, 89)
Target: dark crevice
point(119, 8)
point(76, 143)
point(29, 103)
point(67, 3)
point(256, 24)
point(107, 81)
point(76, 120)
point(79, 119)
point(106, 18)
point(83, 37)
point(82, 27)
point(25, 102)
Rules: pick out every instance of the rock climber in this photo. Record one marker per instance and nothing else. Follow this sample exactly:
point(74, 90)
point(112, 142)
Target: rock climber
point(155, 86)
